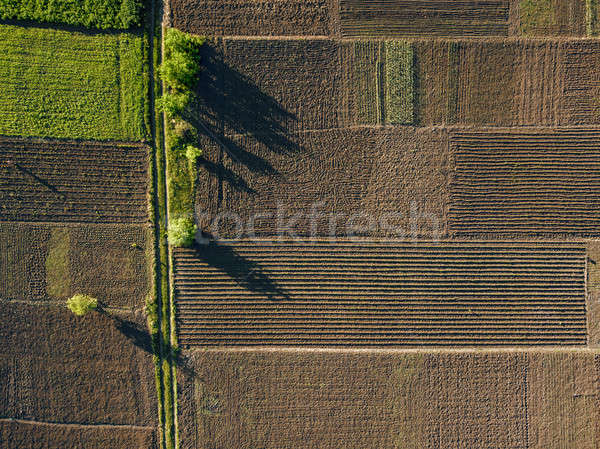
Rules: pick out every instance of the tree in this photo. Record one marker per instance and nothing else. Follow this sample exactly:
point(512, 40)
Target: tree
point(81, 304)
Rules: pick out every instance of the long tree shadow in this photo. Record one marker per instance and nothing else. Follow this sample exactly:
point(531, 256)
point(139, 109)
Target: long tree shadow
point(245, 272)
point(230, 108)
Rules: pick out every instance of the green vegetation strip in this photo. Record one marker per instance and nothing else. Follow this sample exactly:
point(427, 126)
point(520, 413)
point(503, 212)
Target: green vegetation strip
point(88, 13)
point(399, 83)
point(62, 84)
point(537, 15)
point(591, 16)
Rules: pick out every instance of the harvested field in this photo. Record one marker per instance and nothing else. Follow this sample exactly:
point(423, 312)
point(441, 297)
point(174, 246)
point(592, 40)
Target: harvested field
point(35, 435)
point(542, 182)
point(61, 181)
point(581, 102)
point(552, 17)
point(53, 262)
point(393, 18)
point(63, 84)
point(58, 367)
point(487, 83)
point(389, 399)
point(267, 88)
point(378, 293)
point(336, 182)
point(364, 82)
point(253, 17)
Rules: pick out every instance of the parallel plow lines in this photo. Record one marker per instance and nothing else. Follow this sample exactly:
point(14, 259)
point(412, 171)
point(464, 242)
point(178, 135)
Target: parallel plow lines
point(73, 181)
point(368, 293)
point(532, 183)
point(423, 17)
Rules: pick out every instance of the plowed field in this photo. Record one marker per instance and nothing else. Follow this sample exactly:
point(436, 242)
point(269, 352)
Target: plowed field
point(390, 399)
point(381, 293)
point(526, 182)
point(58, 181)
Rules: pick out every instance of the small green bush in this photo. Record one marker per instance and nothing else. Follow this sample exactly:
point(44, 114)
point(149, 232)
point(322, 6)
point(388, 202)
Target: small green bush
point(82, 304)
point(192, 153)
point(173, 104)
point(182, 231)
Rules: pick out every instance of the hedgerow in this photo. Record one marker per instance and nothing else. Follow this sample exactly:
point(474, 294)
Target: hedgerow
point(103, 14)
point(179, 71)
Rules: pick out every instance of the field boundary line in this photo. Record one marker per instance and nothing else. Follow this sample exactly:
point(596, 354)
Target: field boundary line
point(76, 424)
point(420, 350)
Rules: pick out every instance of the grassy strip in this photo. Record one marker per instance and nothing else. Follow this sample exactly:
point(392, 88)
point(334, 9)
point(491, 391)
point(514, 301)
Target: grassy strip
point(101, 14)
point(536, 16)
point(453, 64)
point(399, 83)
point(62, 84)
point(591, 17)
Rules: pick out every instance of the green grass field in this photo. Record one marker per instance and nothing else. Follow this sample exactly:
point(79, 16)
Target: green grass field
point(64, 84)
point(399, 83)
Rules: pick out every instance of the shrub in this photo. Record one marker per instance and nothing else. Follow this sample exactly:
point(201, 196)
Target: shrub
point(173, 104)
point(182, 231)
point(82, 304)
point(192, 153)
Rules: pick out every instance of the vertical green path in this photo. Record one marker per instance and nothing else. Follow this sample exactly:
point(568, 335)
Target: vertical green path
point(161, 318)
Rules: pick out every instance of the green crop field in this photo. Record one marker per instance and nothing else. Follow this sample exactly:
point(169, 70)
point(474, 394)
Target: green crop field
point(399, 86)
point(89, 13)
point(63, 84)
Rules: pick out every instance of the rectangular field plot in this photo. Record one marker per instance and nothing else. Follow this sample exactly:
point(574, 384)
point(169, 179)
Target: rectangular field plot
point(33, 435)
point(526, 182)
point(53, 262)
point(390, 399)
point(63, 84)
point(322, 180)
point(380, 293)
point(252, 17)
point(397, 18)
point(61, 181)
point(58, 367)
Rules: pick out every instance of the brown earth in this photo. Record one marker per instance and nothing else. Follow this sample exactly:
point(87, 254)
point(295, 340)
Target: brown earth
point(254, 17)
point(58, 367)
point(380, 293)
point(385, 18)
point(52, 262)
point(392, 399)
point(379, 182)
point(47, 180)
point(34, 435)
point(525, 182)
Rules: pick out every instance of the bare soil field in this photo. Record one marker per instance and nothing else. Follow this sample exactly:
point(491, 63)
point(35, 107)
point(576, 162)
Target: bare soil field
point(58, 367)
point(253, 17)
point(378, 293)
point(358, 173)
point(53, 262)
point(389, 18)
point(392, 399)
point(64, 181)
point(525, 182)
point(34, 435)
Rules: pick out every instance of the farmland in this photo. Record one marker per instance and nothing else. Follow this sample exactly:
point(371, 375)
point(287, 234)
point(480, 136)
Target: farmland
point(68, 181)
point(308, 224)
point(64, 84)
point(390, 398)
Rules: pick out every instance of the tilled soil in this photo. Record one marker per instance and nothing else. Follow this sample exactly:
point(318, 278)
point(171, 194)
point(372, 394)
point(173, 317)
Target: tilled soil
point(59, 181)
point(58, 367)
point(366, 399)
point(381, 293)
